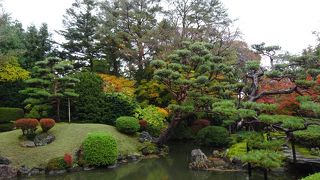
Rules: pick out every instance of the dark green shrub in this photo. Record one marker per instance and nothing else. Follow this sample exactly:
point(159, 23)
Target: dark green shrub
point(309, 137)
point(182, 131)
point(115, 105)
point(10, 114)
point(214, 136)
point(100, 149)
point(95, 106)
point(6, 127)
point(87, 107)
point(127, 125)
point(56, 164)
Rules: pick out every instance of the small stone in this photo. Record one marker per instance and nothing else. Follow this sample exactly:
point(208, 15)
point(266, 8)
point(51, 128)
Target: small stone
point(88, 168)
point(23, 171)
point(4, 160)
point(28, 144)
point(75, 169)
point(145, 136)
point(215, 153)
point(36, 171)
point(54, 172)
point(7, 171)
point(113, 166)
point(43, 139)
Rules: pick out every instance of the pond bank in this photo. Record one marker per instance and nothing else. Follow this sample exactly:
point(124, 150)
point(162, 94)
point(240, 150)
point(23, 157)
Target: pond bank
point(173, 166)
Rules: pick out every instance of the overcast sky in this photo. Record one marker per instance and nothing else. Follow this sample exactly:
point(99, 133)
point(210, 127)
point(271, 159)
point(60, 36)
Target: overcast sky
point(288, 23)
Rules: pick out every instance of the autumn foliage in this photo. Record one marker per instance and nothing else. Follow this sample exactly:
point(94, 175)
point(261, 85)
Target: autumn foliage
point(118, 84)
point(46, 124)
point(68, 159)
point(27, 125)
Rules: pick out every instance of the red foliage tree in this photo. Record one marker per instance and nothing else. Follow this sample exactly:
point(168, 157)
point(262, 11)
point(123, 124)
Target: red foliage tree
point(68, 159)
point(46, 124)
point(27, 125)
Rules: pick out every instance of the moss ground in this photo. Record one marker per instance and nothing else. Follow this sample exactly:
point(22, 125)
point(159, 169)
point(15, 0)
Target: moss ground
point(68, 139)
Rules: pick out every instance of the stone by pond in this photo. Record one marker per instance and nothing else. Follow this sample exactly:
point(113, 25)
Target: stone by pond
point(39, 140)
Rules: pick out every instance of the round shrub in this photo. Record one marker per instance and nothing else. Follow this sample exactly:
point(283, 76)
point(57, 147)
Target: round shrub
point(27, 125)
point(127, 125)
point(46, 124)
point(10, 114)
point(214, 136)
point(100, 149)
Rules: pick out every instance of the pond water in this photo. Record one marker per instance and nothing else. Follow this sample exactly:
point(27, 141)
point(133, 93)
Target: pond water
point(174, 166)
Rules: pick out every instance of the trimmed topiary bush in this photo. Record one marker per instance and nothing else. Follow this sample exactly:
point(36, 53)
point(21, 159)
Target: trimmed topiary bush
point(214, 136)
point(100, 149)
point(46, 124)
point(27, 125)
point(127, 125)
point(10, 114)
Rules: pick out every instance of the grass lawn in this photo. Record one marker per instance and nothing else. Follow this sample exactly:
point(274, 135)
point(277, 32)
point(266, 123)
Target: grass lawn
point(68, 138)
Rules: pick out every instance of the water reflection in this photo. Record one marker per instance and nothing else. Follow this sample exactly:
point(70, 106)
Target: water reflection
point(173, 167)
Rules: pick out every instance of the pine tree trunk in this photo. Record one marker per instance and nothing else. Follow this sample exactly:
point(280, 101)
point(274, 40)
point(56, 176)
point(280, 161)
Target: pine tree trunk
point(293, 147)
point(58, 109)
point(69, 113)
point(166, 135)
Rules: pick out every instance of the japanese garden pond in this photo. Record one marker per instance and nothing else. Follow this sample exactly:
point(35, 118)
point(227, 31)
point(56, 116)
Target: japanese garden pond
point(174, 166)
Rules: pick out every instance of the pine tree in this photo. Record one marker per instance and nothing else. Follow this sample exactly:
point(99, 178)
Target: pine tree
point(80, 23)
point(48, 86)
point(195, 78)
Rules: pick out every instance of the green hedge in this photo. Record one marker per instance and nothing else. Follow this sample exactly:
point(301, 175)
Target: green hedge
point(214, 136)
point(6, 127)
point(10, 114)
point(127, 124)
point(100, 149)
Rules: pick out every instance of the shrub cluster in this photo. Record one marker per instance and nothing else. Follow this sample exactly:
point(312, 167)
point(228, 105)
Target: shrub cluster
point(10, 114)
point(155, 118)
point(46, 124)
point(214, 136)
point(94, 105)
point(27, 125)
point(100, 149)
point(127, 125)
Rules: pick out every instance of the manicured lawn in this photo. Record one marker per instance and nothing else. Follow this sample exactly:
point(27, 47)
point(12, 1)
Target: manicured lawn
point(68, 138)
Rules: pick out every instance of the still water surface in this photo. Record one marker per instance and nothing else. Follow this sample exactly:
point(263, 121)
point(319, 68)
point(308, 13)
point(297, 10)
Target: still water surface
point(172, 167)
